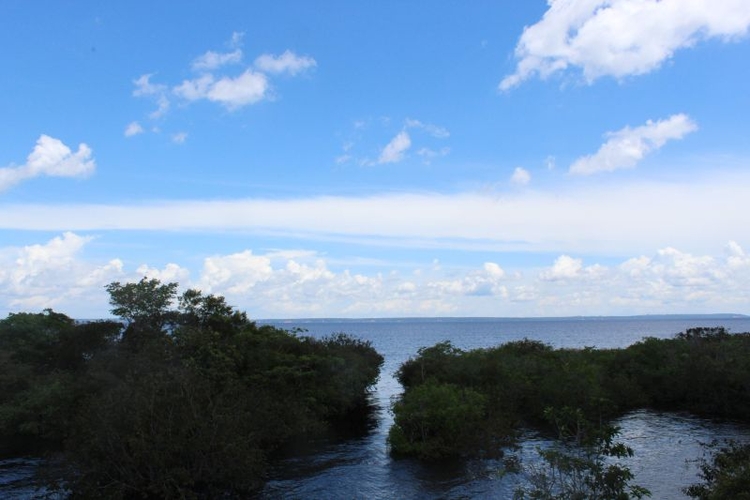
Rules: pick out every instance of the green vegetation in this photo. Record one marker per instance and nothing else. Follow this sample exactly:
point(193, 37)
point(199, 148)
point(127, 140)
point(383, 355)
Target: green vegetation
point(580, 465)
point(725, 475)
point(459, 403)
point(184, 402)
point(705, 371)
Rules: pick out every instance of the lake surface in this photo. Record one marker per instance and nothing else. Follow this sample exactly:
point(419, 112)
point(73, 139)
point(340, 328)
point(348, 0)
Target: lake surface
point(665, 444)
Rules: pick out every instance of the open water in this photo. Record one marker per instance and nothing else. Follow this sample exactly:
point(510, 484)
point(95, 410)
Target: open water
point(666, 445)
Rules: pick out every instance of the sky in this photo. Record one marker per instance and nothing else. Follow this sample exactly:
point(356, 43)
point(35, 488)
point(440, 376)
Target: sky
point(361, 159)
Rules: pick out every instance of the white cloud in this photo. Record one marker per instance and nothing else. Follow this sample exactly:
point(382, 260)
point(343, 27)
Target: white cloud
point(155, 91)
point(234, 274)
point(434, 130)
point(52, 158)
point(172, 273)
point(626, 147)
point(394, 151)
point(248, 88)
point(288, 62)
point(620, 37)
point(52, 274)
point(195, 89)
point(213, 60)
point(180, 137)
point(212, 84)
point(565, 267)
point(133, 128)
point(300, 283)
point(563, 219)
point(494, 270)
point(144, 87)
point(520, 176)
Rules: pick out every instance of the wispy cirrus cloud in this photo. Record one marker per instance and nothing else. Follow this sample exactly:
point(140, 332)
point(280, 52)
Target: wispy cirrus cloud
point(52, 158)
point(568, 219)
point(626, 147)
point(620, 38)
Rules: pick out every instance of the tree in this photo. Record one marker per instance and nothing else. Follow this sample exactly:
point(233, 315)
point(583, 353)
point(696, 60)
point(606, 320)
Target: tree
point(725, 475)
point(577, 467)
point(44, 361)
point(145, 306)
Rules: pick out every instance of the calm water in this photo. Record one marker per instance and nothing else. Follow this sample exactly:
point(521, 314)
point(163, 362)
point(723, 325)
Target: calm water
point(664, 444)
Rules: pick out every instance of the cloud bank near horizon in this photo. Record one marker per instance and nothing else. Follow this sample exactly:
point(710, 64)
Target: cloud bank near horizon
point(298, 283)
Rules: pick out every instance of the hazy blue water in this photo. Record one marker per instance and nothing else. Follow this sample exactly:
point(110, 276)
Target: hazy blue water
point(361, 468)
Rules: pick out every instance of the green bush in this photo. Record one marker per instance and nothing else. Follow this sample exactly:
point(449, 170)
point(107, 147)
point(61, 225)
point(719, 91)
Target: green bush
point(703, 370)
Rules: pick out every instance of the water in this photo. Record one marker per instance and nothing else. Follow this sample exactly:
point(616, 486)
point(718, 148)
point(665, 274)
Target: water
point(665, 444)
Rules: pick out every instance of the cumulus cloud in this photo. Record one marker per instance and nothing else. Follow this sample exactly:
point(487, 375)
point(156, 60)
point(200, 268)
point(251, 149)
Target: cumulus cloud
point(394, 151)
point(213, 83)
point(50, 157)
point(248, 88)
point(288, 62)
point(301, 283)
point(620, 37)
point(520, 177)
point(565, 267)
point(46, 275)
point(234, 273)
point(626, 147)
point(133, 128)
point(172, 273)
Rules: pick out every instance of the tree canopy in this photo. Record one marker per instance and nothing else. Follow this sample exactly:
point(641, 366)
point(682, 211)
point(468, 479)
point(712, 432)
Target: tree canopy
point(186, 398)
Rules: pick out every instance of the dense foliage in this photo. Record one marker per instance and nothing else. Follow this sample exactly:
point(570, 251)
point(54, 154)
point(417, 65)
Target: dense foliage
point(725, 475)
point(705, 371)
point(182, 402)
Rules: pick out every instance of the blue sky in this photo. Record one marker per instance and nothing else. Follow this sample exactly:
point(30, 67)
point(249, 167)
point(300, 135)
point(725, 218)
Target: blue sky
point(376, 159)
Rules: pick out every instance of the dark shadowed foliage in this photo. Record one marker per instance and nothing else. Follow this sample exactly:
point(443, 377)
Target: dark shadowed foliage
point(184, 401)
